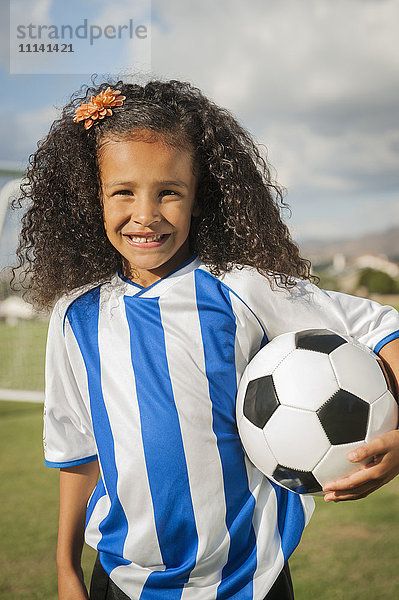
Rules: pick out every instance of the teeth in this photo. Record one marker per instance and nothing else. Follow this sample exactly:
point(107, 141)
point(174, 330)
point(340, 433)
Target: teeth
point(144, 240)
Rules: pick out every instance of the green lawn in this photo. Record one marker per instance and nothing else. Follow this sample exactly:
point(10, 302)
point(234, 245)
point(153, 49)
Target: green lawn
point(29, 508)
point(348, 552)
point(22, 350)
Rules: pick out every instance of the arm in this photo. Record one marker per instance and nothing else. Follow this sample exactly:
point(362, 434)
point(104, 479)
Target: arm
point(68, 440)
point(384, 449)
point(390, 357)
point(76, 486)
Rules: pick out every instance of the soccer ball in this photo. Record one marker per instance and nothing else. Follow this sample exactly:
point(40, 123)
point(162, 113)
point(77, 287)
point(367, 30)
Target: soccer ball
point(305, 400)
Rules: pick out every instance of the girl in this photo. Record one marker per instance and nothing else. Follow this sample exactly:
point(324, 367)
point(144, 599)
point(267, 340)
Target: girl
point(155, 226)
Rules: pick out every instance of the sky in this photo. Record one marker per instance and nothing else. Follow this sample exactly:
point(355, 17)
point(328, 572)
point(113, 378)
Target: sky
point(315, 82)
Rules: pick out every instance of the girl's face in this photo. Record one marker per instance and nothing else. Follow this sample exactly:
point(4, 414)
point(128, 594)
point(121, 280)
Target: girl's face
point(148, 194)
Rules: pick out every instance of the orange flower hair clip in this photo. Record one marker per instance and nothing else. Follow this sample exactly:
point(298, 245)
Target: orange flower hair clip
point(98, 107)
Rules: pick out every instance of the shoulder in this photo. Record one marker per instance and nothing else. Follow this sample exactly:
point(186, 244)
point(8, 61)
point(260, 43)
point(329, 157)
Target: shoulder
point(277, 307)
point(77, 298)
point(64, 303)
point(250, 285)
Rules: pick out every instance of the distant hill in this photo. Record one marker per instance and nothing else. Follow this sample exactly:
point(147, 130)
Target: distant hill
point(385, 242)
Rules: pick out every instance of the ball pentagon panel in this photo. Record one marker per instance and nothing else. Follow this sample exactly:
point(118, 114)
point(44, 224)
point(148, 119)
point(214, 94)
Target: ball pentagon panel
point(318, 340)
point(301, 482)
point(305, 380)
point(260, 400)
point(344, 418)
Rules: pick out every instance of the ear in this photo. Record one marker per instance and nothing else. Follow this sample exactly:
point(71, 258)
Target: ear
point(104, 219)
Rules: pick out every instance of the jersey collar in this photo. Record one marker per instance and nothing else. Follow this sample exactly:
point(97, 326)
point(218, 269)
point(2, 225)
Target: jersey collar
point(158, 287)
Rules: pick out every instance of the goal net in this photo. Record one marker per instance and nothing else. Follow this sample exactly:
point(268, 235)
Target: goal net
point(23, 331)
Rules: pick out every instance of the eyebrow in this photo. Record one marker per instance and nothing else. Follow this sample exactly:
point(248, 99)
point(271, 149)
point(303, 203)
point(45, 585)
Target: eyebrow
point(175, 182)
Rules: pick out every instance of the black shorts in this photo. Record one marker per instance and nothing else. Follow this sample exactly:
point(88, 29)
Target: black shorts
point(102, 588)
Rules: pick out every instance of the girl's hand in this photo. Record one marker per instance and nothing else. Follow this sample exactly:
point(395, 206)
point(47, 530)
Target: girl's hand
point(383, 453)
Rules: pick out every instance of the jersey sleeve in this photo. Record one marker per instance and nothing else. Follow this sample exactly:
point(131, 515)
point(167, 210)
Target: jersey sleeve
point(67, 433)
point(305, 306)
point(371, 323)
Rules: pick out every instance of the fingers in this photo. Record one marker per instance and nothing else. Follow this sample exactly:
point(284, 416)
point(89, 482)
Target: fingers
point(382, 456)
point(371, 472)
point(354, 488)
point(373, 448)
point(357, 493)
point(380, 445)
point(359, 484)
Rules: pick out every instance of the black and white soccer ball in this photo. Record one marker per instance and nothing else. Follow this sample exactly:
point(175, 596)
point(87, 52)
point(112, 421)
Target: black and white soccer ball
point(305, 400)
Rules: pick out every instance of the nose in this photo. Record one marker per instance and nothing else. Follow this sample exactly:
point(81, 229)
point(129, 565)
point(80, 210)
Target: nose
point(146, 211)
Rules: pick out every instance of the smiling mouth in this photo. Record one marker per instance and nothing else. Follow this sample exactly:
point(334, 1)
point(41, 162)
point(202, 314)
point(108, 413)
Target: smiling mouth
point(144, 239)
point(147, 239)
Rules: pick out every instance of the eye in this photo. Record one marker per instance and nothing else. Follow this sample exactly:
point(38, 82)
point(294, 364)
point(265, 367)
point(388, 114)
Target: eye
point(121, 193)
point(169, 193)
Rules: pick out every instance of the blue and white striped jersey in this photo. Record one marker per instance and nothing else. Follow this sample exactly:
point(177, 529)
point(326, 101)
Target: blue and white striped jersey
point(145, 379)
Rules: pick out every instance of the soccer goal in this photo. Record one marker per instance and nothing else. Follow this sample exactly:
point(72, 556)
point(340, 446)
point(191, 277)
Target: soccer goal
point(23, 330)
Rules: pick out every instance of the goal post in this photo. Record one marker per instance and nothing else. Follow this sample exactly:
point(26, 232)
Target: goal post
point(23, 331)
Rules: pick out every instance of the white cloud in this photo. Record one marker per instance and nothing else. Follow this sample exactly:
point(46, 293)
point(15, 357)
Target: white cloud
point(38, 10)
point(316, 81)
point(313, 50)
point(119, 14)
point(317, 229)
point(32, 125)
point(357, 218)
point(347, 162)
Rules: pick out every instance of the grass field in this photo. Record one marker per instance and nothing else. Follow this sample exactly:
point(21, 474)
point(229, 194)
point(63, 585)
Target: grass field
point(348, 552)
point(22, 352)
point(29, 508)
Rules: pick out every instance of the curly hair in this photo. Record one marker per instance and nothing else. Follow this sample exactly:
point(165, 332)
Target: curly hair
point(63, 244)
